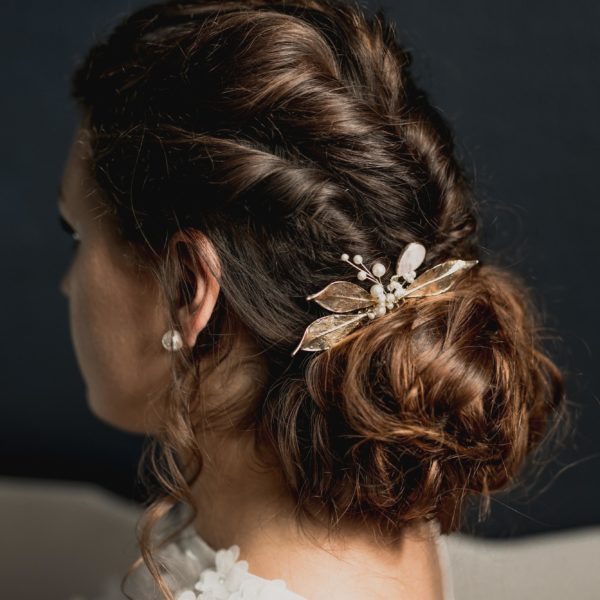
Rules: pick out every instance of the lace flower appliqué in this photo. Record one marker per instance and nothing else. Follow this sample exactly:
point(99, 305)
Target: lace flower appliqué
point(229, 580)
point(220, 582)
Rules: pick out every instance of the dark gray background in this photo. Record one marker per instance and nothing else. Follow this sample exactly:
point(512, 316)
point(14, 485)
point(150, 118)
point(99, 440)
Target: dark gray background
point(518, 81)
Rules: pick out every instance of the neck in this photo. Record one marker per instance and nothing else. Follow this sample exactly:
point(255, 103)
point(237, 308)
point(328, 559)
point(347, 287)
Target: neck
point(240, 503)
point(237, 499)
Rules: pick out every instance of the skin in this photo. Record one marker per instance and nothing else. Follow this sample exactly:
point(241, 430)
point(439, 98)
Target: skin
point(117, 319)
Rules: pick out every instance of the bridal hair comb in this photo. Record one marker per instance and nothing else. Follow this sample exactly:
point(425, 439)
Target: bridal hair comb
point(344, 296)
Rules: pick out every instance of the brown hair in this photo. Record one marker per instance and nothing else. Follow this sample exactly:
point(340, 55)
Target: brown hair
point(288, 133)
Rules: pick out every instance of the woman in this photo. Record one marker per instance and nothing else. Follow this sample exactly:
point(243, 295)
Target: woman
point(239, 172)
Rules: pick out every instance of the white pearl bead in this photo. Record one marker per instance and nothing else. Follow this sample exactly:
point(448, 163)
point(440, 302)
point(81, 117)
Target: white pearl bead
point(390, 297)
point(345, 256)
point(378, 269)
point(389, 305)
point(377, 290)
point(357, 258)
point(172, 341)
point(380, 310)
point(361, 275)
point(371, 314)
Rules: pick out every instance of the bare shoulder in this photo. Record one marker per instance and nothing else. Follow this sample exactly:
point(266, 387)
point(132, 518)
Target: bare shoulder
point(352, 571)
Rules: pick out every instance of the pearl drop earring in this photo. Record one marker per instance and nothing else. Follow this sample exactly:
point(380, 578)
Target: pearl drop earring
point(172, 341)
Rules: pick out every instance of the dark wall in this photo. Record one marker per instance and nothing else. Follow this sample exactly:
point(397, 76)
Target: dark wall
point(520, 84)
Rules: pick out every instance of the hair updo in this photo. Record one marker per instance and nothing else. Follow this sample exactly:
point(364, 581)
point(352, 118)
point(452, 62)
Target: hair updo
point(288, 133)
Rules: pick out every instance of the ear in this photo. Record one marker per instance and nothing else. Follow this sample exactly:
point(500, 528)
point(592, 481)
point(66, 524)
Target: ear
point(201, 280)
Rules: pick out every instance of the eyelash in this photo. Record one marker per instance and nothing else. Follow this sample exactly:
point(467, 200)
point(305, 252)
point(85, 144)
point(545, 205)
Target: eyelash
point(66, 227)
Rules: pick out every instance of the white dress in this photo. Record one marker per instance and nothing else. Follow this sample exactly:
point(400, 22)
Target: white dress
point(195, 571)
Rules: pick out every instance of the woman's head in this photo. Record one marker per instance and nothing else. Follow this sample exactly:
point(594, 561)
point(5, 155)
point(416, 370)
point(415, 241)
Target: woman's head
point(237, 149)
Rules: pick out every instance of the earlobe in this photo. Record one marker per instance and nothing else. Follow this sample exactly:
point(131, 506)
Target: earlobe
point(195, 313)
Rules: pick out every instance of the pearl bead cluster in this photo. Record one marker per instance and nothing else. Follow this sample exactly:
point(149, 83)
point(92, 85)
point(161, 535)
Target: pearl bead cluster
point(395, 290)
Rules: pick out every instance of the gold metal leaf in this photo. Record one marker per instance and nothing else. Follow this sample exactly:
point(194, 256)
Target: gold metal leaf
point(326, 331)
point(343, 296)
point(438, 279)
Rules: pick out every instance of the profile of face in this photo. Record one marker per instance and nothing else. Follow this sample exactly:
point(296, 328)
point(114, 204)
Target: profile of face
point(117, 313)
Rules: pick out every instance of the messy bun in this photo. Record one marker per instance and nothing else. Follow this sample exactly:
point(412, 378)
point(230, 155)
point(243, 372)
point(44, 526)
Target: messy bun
point(286, 134)
point(438, 400)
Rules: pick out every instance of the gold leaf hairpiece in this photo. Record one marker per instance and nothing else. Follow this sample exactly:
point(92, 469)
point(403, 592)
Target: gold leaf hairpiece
point(343, 296)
